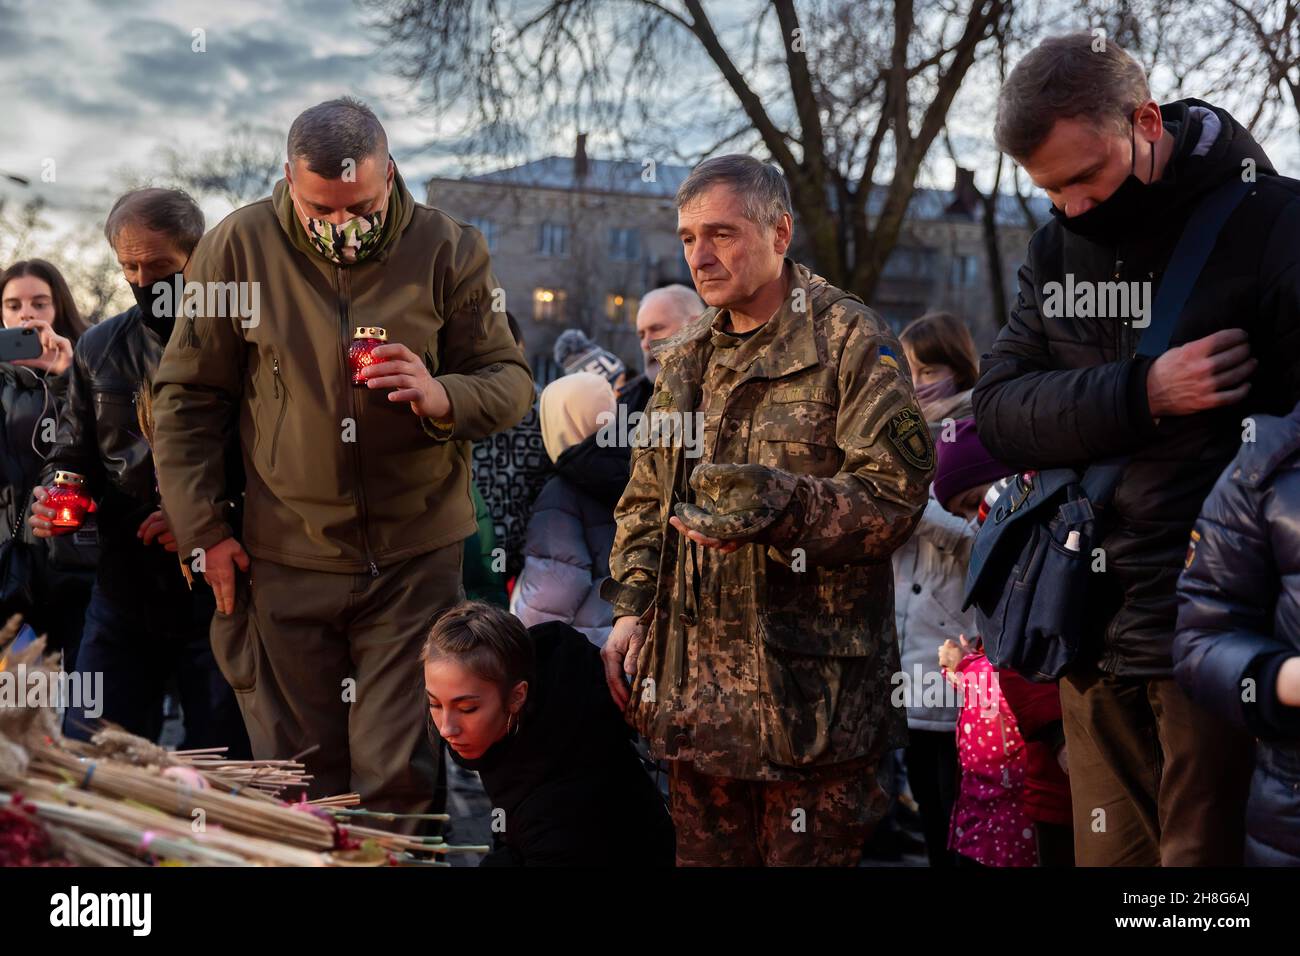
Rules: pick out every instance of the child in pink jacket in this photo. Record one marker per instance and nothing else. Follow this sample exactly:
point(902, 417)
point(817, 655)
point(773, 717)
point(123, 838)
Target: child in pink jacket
point(989, 825)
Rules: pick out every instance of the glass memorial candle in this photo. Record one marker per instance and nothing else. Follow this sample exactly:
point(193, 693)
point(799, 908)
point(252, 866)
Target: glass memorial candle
point(69, 500)
point(364, 341)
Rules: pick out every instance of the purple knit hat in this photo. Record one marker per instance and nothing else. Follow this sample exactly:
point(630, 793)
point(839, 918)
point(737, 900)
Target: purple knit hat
point(964, 463)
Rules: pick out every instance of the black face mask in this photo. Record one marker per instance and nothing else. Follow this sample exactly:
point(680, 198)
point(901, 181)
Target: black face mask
point(159, 317)
point(1121, 213)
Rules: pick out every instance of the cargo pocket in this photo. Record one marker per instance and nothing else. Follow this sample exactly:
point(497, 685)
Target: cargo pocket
point(235, 645)
point(813, 698)
point(795, 431)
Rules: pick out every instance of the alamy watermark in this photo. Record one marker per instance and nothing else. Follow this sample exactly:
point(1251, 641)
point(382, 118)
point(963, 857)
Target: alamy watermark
point(213, 300)
point(1098, 300)
point(654, 429)
point(133, 911)
point(931, 688)
point(36, 687)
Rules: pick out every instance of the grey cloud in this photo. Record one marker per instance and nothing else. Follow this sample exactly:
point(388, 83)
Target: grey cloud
point(55, 91)
point(272, 62)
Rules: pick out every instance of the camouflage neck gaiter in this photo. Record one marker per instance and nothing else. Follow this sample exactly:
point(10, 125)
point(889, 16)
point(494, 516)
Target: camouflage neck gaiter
point(347, 242)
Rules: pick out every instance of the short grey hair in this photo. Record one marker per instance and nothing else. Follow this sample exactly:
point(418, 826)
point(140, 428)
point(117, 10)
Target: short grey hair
point(761, 187)
point(685, 300)
point(172, 212)
point(1076, 75)
point(330, 133)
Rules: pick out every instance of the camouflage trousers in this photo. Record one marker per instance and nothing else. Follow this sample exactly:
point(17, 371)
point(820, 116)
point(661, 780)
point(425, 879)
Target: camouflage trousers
point(820, 820)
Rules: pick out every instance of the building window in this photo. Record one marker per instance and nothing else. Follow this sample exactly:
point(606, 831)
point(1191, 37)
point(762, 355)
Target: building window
point(624, 244)
point(621, 308)
point(554, 240)
point(910, 262)
point(548, 305)
point(487, 227)
point(965, 270)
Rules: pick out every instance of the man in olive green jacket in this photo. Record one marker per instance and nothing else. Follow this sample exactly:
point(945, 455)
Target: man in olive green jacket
point(357, 497)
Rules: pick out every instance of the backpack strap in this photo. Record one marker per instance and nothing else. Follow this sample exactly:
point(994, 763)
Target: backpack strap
point(1189, 257)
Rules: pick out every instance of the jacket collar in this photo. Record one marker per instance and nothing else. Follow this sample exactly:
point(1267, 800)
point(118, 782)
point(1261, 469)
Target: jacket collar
point(136, 323)
point(784, 345)
point(1277, 440)
point(401, 207)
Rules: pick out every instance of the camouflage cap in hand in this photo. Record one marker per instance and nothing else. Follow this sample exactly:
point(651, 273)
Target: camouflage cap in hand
point(736, 502)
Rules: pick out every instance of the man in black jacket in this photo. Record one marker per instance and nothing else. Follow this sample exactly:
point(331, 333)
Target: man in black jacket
point(1154, 778)
point(144, 624)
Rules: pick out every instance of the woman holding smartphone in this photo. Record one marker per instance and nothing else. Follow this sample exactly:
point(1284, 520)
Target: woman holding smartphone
point(47, 581)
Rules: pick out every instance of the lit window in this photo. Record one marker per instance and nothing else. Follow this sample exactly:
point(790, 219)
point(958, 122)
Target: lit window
point(621, 308)
point(548, 305)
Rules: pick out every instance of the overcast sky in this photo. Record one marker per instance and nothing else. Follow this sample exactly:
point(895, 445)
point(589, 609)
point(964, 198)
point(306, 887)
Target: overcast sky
point(99, 87)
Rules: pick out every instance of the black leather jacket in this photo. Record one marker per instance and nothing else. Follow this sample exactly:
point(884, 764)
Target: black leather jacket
point(100, 437)
point(33, 403)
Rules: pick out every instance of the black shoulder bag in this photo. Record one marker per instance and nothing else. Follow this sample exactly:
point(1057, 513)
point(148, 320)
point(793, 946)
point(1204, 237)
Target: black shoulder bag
point(1029, 568)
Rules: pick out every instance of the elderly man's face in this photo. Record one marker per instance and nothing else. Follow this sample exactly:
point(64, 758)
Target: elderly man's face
point(658, 318)
point(147, 256)
point(730, 257)
point(340, 199)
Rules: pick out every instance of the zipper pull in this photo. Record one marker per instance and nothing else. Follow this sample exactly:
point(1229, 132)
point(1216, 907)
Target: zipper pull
point(480, 327)
point(374, 570)
point(275, 371)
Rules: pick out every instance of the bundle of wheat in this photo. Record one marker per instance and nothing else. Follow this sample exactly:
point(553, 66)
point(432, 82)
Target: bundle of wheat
point(270, 777)
point(18, 721)
point(121, 800)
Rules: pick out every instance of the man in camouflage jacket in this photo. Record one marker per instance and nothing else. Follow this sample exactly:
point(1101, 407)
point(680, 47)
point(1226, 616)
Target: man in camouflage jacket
point(751, 581)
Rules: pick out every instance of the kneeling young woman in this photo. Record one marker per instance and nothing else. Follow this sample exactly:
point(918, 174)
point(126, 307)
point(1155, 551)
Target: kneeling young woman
point(528, 709)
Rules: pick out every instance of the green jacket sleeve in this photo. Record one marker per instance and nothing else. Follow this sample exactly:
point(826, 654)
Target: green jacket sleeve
point(196, 393)
point(484, 372)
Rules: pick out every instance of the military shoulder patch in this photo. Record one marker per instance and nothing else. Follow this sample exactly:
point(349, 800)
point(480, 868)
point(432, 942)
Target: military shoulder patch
point(887, 357)
point(911, 436)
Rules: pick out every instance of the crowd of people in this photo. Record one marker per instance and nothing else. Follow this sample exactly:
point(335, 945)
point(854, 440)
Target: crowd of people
point(347, 527)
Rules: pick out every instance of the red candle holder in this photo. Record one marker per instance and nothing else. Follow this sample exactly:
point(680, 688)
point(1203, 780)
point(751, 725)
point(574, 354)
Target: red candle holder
point(364, 341)
point(69, 500)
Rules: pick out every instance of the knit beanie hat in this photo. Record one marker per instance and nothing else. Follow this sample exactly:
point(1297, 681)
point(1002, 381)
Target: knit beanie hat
point(964, 463)
point(577, 353)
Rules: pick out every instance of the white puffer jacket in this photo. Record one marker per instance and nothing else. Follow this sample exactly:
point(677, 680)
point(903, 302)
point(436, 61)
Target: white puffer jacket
point(929, 578)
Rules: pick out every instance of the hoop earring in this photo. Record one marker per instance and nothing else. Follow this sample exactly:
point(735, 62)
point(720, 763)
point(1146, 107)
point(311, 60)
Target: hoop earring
point(512, 725)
